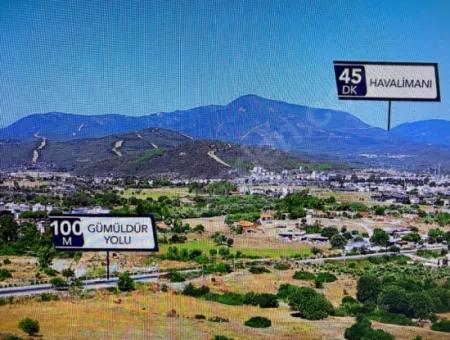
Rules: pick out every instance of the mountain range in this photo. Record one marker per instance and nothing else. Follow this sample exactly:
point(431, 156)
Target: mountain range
point(248, 120)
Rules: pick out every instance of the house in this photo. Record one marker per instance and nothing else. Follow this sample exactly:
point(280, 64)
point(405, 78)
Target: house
point(247, 226)
point(266, 217)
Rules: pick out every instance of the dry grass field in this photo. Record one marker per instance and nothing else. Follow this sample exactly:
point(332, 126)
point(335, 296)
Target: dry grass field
point(143, 314)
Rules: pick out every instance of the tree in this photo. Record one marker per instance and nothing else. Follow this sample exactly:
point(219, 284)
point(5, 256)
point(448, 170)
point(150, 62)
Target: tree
point(362, 329)
point(125, 282)
point(29, 326)
point(368, 288)
point(412, 237)
point(380, 238)
point(45, 256)
point(9, 229)
point(338, 241)
point(394, 299)
point(329, 232)
point(421, 305)
point(68, 272)
point(310, 304)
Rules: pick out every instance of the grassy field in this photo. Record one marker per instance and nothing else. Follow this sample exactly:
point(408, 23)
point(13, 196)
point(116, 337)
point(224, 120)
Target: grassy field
point(264, 250)
point(143, 314)
point(155, 193)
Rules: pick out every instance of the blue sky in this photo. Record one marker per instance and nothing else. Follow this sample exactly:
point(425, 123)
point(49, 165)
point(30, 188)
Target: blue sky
point(140, 57)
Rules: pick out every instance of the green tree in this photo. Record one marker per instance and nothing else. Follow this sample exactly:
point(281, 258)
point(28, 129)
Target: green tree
point(394, 299)
point(329, 232)
point(29, 326)
point(338, 241)
point(125, 282)
point(45, 256)
point(9, 229)
point(310, 304)
point(380, 238)
point(368, 288)
point(421, 305)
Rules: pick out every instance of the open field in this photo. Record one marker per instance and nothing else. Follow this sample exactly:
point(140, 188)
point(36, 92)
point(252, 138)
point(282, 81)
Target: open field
point(156, 193)
point(244, 281)
point(143, 314)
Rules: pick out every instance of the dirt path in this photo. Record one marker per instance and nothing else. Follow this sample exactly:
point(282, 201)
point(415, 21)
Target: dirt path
point(217, 159)
point(40, 147)
point(116, 149)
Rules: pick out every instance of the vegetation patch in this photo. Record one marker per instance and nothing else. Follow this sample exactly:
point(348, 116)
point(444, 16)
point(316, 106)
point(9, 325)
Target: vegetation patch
point(258, 322)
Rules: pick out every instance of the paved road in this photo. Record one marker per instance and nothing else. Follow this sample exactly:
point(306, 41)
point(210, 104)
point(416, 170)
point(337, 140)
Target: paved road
point(152, 277)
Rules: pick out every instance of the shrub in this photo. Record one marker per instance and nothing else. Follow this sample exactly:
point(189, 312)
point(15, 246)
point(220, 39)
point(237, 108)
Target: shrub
point(6, 261)
point(281, 266)
point(200, 316)
point(302, 275)
point(12, 337)
point(221, 337)
point(326, 277)
point(441, 326)
point(362, 329)
point(176, 276)
point(263, 300)
point(4, 274)
point(349, 299)
point(285, 290)
point(258, 322)
point(218, 319)
point(125, 282)
point(258, 270)
point(190, 290)
point(44, 297)
point(29, 326)
point(58, 282)
point(226, 298)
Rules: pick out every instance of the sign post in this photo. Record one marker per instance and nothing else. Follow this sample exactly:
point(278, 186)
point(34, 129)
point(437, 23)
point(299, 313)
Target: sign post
point(107, 265)
point(390, 81)
point(104, 233)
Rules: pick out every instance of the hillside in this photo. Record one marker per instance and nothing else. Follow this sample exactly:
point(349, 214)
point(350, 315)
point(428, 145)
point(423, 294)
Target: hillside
point(150, 152)
point(433, 131)
point(253, 120)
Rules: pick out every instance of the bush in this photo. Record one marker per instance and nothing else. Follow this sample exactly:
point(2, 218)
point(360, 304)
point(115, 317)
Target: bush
point(176, 276)
point(125, 282)
point(4, 274)
point(12, 337)
point(58, 282)
point(6, 261)
point(221, 337)
point(285, 290)
point(258, 270)
point(200, 316)
point(226, 298)
point(441, 326)
point(29, 326)
point(263, 300)
point(218, 319)
point(190, 290)
point(362, 329)
point(258, 322)
point(302, 275)
point(44, 297)
point(326, 277)
point(217, 268)
point(282, 266)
